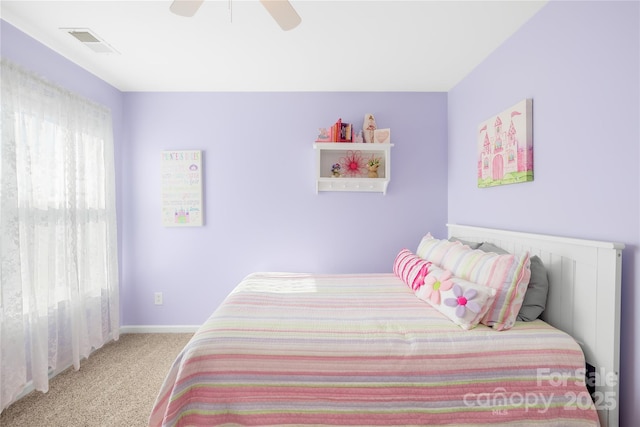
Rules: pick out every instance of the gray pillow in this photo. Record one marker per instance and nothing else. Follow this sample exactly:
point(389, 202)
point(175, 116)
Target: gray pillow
point(535, 299)
point(472, 245)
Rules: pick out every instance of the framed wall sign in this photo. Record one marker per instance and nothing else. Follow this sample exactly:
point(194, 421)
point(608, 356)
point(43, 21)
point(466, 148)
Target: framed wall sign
point(182, 188)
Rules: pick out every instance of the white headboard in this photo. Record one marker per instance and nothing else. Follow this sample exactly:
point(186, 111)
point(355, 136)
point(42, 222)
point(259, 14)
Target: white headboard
point(583, 300)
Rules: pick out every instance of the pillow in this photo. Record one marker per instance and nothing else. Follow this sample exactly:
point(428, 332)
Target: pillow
point(410, 268)
point(463, 302)
point(508, 274)
point(472, 245)
point(434, 250)
point(535, 298)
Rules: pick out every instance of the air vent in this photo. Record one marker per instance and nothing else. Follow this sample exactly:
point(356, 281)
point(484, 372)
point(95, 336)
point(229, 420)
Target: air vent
point(90, 39)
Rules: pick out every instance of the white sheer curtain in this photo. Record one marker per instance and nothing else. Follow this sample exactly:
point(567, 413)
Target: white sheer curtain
point(58, 248)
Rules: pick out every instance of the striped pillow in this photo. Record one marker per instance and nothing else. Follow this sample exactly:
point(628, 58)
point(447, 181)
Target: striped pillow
point(508, 274)
point(435, 250)
point(411, 268)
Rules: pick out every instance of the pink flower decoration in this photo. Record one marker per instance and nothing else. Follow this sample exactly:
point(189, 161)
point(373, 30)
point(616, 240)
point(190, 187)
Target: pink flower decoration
point(353, 164)
point(462, 301)
point(435, 286)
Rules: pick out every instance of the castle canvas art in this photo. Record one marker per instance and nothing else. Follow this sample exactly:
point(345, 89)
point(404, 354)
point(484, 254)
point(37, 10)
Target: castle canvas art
point(505, 147)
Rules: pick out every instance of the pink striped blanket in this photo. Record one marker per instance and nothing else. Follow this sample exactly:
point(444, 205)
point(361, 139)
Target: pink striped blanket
point(301, 349)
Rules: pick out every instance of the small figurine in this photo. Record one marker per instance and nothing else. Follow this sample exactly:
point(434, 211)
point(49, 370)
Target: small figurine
point(373, 164)
point(335, 170)
point(358, 137)
point(368, 127)
point(323, 135)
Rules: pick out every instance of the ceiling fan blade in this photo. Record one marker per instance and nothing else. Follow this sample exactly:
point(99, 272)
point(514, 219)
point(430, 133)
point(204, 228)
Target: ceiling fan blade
point(284, 14)
point(186, 8)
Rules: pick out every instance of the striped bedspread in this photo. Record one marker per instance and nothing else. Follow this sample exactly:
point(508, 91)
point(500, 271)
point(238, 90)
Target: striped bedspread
point(300, 349)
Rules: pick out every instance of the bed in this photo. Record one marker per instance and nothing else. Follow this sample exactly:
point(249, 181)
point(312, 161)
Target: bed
point(369, 349)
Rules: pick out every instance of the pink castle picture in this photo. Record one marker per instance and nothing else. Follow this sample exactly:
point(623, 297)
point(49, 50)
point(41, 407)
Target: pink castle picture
point(505, 147)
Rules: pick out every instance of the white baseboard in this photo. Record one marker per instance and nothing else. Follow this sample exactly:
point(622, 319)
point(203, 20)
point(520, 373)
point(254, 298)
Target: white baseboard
point(159, 329)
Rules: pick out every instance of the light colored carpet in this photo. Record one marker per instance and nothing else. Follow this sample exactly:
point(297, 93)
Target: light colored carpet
point(115, 387)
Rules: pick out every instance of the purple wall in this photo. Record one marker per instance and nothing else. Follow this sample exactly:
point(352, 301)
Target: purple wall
point(261, 210)
point(579, 62)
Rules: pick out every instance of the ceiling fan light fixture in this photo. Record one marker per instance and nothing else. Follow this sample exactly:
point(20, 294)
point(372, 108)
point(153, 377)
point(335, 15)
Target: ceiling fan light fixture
point(283, 13)
point(280, 10)
point(185, 8)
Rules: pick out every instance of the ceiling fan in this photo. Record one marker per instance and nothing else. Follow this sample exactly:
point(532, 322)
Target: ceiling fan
point(281, 10)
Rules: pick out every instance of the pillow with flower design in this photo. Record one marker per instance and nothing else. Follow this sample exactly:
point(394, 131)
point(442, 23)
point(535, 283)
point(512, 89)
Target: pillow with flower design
point(463, 302)
point(508, 274)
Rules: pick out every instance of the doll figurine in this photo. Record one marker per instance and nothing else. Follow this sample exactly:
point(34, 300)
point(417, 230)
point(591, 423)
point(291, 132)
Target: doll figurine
point(368, 127)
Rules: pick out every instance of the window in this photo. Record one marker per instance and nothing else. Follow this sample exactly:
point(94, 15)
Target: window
point(58, 257)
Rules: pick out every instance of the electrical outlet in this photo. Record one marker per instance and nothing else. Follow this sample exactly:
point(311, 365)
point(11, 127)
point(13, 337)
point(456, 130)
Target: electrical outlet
point(158, 298)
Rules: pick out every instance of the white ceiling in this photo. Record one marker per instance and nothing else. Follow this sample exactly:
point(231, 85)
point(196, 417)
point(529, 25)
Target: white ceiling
point(361, 45)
